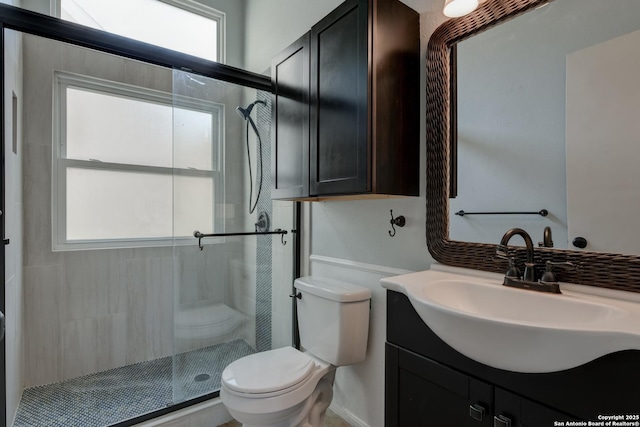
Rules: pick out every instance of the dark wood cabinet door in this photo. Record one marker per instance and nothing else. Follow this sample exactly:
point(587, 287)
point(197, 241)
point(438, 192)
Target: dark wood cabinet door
point(339, 162)
point(428, 394)
point(290, 130)
point(522, 412)
point(533, 414)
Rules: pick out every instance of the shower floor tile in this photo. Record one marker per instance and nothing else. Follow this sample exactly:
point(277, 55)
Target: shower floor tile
point(106, 398)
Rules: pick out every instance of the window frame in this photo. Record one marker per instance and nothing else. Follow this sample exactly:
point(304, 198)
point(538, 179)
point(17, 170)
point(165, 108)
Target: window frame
point(192, 6)
point(63, 80)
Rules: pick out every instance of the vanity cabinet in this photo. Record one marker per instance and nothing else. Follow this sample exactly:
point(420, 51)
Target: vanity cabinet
point(430, 384)
point(350, 125)
point(432, 394)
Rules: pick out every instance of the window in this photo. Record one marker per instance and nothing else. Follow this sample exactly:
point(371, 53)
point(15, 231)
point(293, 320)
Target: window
point(132, 166)
point(183, 25)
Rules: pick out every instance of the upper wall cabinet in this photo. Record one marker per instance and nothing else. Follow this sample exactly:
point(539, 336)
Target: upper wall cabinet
point(290, 121)
point(358, 132)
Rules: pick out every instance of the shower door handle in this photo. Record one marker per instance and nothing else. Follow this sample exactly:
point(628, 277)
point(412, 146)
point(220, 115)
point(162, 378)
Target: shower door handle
point(1, 326)
point(6, 242)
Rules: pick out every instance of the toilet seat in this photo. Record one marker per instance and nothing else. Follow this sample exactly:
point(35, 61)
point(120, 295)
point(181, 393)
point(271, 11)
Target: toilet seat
point(267, 374)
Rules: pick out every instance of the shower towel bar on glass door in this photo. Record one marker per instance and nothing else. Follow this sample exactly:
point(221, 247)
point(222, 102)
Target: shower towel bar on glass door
point(198, 235)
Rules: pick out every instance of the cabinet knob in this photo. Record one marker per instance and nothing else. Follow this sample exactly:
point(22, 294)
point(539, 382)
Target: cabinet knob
point(501, 421)
point(476, 412)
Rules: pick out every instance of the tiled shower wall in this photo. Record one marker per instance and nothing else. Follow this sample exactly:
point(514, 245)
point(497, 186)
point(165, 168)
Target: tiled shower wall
point(87, 311)
point(273, 260)
point(264, 258)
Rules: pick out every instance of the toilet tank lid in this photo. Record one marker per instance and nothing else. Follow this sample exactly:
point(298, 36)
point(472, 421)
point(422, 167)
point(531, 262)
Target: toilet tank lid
point(332, 289)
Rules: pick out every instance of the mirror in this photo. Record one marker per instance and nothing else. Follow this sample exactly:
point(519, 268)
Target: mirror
point(604, 269)
point(545, 120)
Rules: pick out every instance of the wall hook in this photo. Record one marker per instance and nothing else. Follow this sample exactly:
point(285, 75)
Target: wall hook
point(399, 221)
point(281, 236)
point(198, 235)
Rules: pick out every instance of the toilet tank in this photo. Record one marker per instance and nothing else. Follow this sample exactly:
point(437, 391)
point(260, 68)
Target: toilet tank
point(333, 318)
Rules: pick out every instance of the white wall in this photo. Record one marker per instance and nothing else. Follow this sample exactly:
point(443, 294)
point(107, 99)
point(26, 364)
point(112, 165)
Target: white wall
point(273, 25)
point(14, 287)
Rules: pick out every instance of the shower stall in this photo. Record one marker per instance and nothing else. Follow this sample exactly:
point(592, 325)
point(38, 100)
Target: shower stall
point(145, 251)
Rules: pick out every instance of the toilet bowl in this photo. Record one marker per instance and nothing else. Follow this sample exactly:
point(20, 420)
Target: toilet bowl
point(278, 388)
point(290, 388)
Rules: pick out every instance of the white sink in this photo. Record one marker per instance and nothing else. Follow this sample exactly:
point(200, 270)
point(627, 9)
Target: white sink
point(521, 330)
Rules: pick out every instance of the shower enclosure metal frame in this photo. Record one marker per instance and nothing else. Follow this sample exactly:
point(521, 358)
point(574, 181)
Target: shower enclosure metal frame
point(25, 21)
point(3, 308)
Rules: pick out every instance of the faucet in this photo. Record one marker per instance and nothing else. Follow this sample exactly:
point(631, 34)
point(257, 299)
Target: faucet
point(502, 252)
point(528, 280)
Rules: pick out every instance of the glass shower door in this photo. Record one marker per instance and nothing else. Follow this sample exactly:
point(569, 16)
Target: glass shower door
point(231, 289)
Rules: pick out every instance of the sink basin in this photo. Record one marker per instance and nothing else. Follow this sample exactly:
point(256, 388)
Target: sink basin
point(475, 298)
point(520, 330)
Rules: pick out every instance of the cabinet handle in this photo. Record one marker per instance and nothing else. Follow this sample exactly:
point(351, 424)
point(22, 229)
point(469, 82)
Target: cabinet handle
point(476, 412)
point(501, 421)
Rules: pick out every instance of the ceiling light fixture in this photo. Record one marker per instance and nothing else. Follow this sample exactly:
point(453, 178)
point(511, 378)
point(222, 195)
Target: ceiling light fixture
point(457, 8)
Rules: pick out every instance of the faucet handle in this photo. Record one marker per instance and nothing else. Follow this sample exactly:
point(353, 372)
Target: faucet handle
point(547, 241)
point(513, 270)
point(502, 252)
point(549, 277)
point(566, 265)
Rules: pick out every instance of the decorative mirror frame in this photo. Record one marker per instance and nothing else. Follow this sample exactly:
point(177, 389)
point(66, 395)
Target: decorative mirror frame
point(606, 270)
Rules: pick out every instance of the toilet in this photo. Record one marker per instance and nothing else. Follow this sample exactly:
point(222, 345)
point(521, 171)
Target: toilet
point(286, 387)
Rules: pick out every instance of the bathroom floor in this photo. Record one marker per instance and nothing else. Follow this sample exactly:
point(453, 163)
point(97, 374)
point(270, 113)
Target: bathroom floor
point(108, 397)
point(331, 420)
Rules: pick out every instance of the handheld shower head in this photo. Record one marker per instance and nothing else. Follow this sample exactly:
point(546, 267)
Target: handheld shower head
point(245, 113)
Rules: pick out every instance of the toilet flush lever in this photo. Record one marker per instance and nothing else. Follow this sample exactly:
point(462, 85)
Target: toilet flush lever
point(296, 295)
